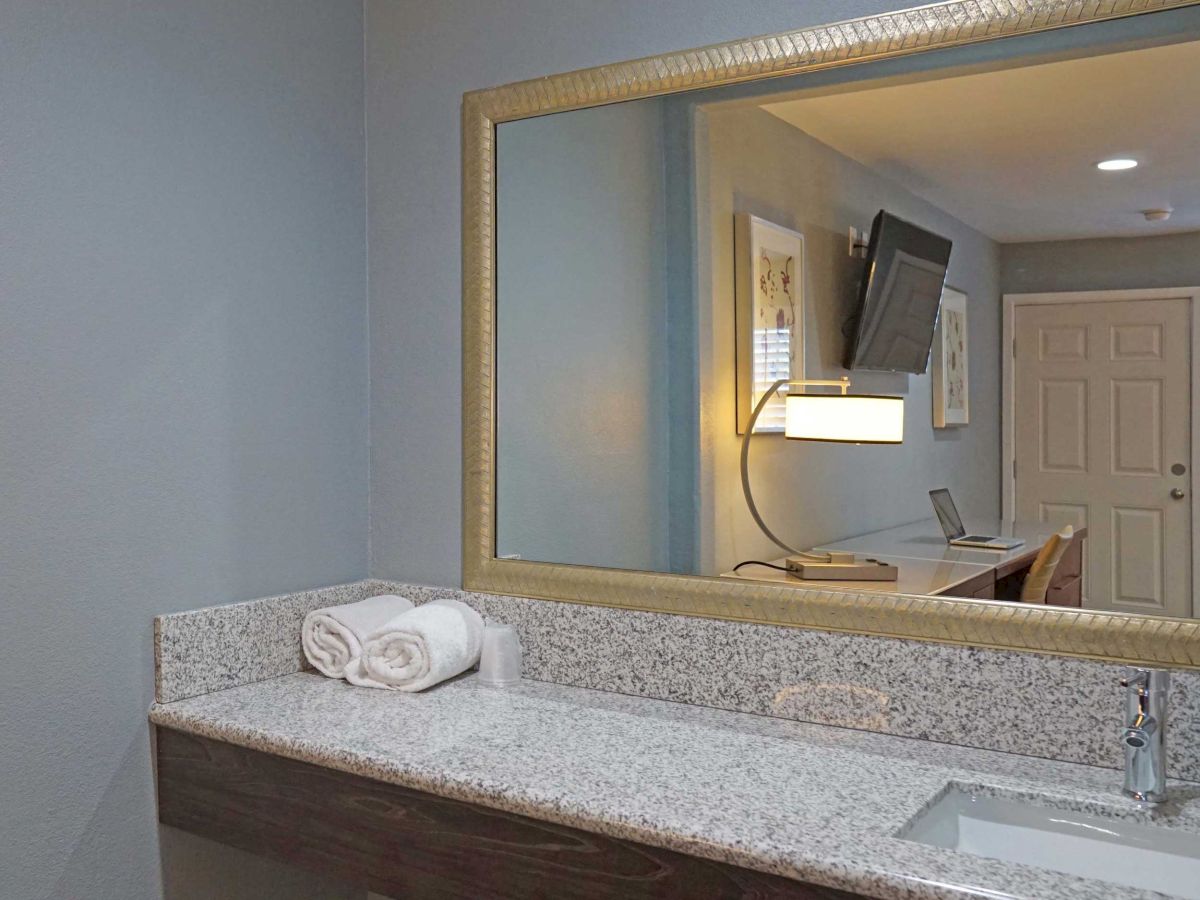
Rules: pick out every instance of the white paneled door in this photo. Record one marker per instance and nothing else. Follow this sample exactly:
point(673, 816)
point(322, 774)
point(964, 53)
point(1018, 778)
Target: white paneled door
point(1101, 412)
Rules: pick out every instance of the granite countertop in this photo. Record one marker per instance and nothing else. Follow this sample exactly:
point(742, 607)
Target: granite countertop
point(811, 802)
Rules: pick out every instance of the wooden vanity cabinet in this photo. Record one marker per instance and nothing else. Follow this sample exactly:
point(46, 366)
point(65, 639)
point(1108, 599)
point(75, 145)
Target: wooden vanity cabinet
point(412, 845)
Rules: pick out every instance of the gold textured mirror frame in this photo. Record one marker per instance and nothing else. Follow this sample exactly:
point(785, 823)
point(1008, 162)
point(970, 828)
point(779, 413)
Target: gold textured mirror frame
point(1117, 637)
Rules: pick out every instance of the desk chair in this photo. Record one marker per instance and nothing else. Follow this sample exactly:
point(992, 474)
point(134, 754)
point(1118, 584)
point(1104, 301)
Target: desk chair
point(1042, 571)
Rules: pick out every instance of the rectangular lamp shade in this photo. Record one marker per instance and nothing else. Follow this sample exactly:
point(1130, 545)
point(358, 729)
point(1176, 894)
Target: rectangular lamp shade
point(846, 418)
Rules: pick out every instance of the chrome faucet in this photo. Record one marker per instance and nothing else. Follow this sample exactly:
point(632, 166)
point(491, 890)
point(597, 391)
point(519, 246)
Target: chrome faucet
point(1143, 735)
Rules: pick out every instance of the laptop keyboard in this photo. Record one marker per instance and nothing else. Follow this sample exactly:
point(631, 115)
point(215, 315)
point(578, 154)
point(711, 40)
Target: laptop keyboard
point(977, 538)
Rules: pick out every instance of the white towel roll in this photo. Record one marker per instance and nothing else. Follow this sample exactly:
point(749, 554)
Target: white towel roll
point(333, 636)
point(420, 648)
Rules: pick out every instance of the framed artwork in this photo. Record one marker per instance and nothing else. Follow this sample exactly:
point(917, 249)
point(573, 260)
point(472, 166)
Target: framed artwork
point(951, 404)
point(769, 301)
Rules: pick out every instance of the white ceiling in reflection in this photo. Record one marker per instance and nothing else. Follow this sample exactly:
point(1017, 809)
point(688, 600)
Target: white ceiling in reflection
point(1013, 152)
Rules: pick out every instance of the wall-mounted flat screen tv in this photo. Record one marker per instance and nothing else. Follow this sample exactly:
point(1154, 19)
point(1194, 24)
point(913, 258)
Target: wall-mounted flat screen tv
point(899, 298)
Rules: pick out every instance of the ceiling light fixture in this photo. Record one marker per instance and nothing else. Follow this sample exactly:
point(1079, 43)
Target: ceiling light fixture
point(1116, 165)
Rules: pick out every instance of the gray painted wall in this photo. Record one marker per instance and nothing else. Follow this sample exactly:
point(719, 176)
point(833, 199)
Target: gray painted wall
point(421, 57)
point(581, 332)
point(182, 390)
point(1171, 260)
point(750, 161)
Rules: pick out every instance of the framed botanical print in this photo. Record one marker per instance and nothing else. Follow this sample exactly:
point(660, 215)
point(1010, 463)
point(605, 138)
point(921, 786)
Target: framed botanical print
point(951, 403)
point(769, 276)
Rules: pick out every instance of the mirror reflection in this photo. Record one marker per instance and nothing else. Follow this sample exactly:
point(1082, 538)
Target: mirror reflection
point(922, 327)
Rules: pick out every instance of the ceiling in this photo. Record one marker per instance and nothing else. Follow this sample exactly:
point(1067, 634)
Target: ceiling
point(1013, 152)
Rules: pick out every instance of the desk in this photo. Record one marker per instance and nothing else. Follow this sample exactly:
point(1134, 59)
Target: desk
point(931, 566)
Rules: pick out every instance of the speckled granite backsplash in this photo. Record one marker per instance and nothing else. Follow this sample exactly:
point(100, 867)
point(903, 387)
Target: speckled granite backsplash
point(218, 647)
point(960, 695)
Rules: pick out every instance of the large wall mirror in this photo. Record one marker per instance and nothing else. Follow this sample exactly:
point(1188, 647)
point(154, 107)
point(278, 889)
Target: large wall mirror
point(822, 330)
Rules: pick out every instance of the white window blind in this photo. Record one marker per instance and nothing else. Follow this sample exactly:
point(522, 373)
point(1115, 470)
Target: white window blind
point(772, 361)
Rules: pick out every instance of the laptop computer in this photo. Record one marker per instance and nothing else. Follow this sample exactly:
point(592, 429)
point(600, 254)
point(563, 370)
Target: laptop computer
point(956, 535)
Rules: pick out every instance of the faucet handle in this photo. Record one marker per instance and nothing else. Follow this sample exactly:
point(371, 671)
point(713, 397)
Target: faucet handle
point(1134, 677)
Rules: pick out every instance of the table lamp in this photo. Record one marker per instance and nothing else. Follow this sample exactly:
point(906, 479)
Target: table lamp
point(840, 418)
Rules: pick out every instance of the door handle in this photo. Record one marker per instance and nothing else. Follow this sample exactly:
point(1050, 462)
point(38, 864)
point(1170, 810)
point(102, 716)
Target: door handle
point(1177, 493)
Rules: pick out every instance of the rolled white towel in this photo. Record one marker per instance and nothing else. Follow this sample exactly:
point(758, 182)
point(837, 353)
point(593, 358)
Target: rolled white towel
point(421, 647)
point(333, 637)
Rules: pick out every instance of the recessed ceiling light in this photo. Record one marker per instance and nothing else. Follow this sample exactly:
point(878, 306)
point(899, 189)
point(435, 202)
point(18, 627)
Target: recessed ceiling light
point(1117, 165)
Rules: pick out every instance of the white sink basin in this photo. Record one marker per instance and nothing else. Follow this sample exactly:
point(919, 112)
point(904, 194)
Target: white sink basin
point(1091, 846)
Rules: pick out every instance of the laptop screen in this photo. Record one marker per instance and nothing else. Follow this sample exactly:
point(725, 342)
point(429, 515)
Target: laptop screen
point(947, 514)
